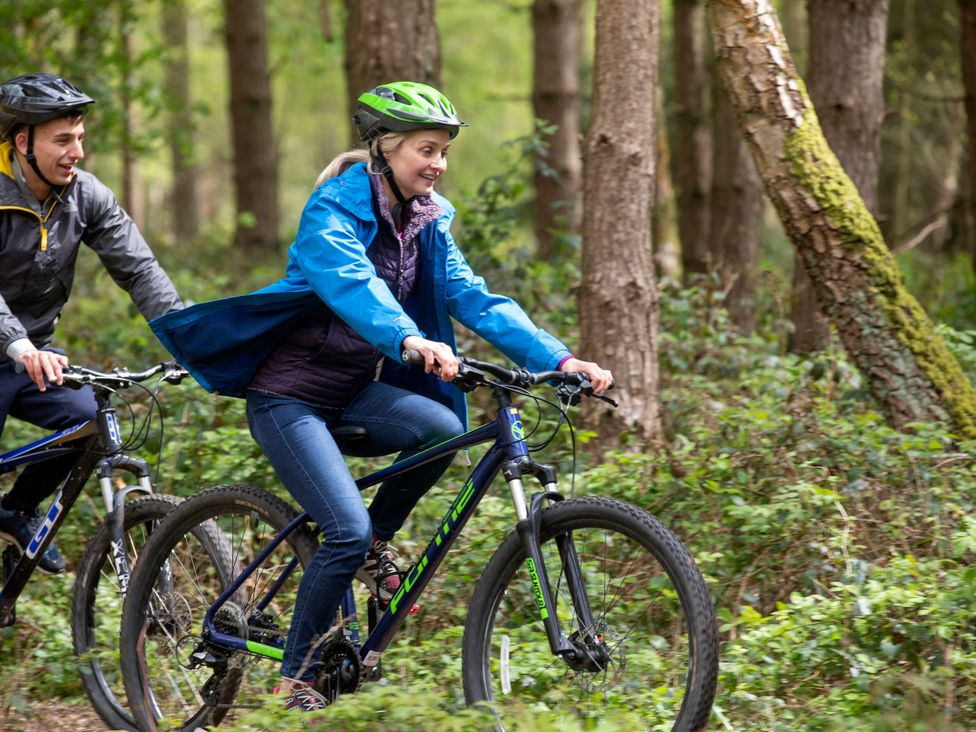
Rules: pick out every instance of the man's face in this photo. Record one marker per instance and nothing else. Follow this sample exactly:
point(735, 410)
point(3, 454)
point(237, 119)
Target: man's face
point(57, 147)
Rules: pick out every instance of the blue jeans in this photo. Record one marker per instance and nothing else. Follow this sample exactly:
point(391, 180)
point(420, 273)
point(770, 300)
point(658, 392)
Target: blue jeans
point(294, 434)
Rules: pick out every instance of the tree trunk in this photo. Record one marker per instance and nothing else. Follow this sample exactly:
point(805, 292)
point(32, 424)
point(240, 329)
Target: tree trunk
point(902, 359)
point(736, 207)
point(967, 21)
point(183, 203)
point(556, 26)
point(127, 194)
point(618, 298)
point(389, 41)
point(848, 35)
point(692, 144)
point(664, 222)
point(255, 157)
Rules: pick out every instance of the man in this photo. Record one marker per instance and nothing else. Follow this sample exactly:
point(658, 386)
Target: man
point(48, 207)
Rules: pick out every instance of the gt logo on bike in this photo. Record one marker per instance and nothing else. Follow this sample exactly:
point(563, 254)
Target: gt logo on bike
point(49, 519)
point(537, 589)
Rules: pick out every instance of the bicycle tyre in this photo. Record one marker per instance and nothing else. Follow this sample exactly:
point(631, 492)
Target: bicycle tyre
point(96, 616)
point(627, 557)
point(158, 638)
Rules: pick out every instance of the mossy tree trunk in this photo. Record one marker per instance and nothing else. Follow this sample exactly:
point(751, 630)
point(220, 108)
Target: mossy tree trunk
point(847, 35)
point(905, 364)
point(618, 300)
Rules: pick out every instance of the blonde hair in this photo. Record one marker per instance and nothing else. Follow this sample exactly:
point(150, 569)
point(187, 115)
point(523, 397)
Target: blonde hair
point(388, 143)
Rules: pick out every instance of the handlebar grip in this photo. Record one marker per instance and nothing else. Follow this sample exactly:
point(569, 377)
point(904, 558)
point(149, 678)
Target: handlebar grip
point(409, 355)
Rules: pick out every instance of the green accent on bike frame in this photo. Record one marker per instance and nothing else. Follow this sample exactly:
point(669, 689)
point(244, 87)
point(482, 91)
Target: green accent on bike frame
point(267, 651)
point(518, 431)
point(449, 522)
point(537, 589)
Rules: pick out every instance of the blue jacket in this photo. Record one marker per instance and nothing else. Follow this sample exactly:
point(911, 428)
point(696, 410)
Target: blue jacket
point(222, 342)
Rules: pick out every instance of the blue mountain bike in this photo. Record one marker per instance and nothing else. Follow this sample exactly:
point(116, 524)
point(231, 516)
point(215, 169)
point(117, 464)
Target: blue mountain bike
point(131, 511)
point(587, 602)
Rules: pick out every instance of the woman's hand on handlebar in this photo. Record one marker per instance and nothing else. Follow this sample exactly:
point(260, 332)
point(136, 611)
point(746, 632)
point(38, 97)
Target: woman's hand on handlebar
point(599, 377)
point(438, 357)
point(41, 365)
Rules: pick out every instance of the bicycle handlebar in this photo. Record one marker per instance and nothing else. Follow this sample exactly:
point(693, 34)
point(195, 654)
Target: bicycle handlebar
point(472, 372)
point(77, 376)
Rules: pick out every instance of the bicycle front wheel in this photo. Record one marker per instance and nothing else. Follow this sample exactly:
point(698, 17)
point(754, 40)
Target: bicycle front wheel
point(649, 650)
point(172, 673)
point(96, 608)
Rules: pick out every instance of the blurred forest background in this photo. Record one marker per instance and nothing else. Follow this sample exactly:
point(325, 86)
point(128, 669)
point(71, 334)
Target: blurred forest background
point(606, 183)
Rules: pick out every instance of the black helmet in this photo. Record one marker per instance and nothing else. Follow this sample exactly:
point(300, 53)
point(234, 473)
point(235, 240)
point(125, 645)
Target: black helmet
point(35, 98)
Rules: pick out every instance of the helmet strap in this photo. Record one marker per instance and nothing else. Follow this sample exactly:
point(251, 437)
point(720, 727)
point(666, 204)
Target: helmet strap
point(387, 172)
point(32, 159)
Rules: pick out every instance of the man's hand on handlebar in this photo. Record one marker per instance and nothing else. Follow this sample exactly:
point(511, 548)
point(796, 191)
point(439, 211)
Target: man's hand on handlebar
point(41, 365)
point(438, 357)
point(600, 378)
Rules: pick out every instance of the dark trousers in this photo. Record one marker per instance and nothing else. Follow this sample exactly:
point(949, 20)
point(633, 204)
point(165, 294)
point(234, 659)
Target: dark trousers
point(53, 409)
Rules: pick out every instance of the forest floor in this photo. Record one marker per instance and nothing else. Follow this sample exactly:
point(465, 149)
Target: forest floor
point(53, 716)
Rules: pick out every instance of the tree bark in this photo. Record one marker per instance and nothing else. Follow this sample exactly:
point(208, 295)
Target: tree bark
point(183, 197)
point(736, 207)
point(255, 157)
point(127, 194)
point(847, 35)
point(556, 26)
point(903, 361)
point(692, 144)
point(618, 300)
point(389, 41)
point(967, 21)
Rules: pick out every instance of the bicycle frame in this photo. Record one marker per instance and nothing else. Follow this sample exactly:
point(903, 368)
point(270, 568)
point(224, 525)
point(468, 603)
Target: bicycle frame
point(509, 454)
point(98, 444)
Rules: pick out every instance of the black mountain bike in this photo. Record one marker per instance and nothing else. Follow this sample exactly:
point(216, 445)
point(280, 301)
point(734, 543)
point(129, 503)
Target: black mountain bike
point(130, 513)
point(588, 602)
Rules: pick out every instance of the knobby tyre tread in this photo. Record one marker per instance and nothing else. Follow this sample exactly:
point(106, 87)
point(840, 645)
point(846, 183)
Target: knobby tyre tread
point(207, 506)
point(492, 600)
point(92, 662)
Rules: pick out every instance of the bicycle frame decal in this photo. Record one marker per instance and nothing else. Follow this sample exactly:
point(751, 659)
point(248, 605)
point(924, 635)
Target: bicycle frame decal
point(540, 600)
point(450, 521)
point(518, 431)
point(262, 650)
point(52, 514)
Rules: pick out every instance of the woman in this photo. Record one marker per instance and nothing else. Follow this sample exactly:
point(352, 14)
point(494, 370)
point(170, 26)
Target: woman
point(373, 270)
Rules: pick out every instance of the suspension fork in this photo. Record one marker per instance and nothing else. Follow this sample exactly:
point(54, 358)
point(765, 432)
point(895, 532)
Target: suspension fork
point(115, 507)
point(529, 530)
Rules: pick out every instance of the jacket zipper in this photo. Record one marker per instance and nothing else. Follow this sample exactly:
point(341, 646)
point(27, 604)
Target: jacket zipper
point(41, 220)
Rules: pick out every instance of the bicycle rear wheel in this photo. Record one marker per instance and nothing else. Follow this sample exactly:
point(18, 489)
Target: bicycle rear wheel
point(170, 671)
point(651, 650)
point(96, 607)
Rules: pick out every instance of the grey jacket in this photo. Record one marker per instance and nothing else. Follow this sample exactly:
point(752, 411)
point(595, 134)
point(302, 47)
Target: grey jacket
point(39, 245)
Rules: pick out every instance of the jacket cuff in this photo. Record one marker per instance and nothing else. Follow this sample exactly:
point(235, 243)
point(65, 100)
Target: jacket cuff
point(19, 347)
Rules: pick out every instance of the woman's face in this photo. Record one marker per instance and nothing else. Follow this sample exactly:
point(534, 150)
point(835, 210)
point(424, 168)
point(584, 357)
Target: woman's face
point(419, 161)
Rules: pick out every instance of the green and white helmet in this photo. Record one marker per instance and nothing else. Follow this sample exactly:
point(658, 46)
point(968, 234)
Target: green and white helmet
point(404, 106)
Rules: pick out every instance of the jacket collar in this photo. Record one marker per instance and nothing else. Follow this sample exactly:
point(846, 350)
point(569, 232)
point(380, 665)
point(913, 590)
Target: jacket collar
point(352, 191)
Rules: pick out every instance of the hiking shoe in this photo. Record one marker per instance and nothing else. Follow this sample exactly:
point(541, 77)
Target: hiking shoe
point(302, 696)
point(19, 527)
point(379, 572)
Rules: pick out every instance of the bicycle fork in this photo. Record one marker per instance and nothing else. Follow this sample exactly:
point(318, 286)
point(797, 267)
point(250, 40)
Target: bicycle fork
point(584, 655)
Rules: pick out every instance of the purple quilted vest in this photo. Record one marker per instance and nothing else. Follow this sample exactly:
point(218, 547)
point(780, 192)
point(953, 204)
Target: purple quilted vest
point(323, 360)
